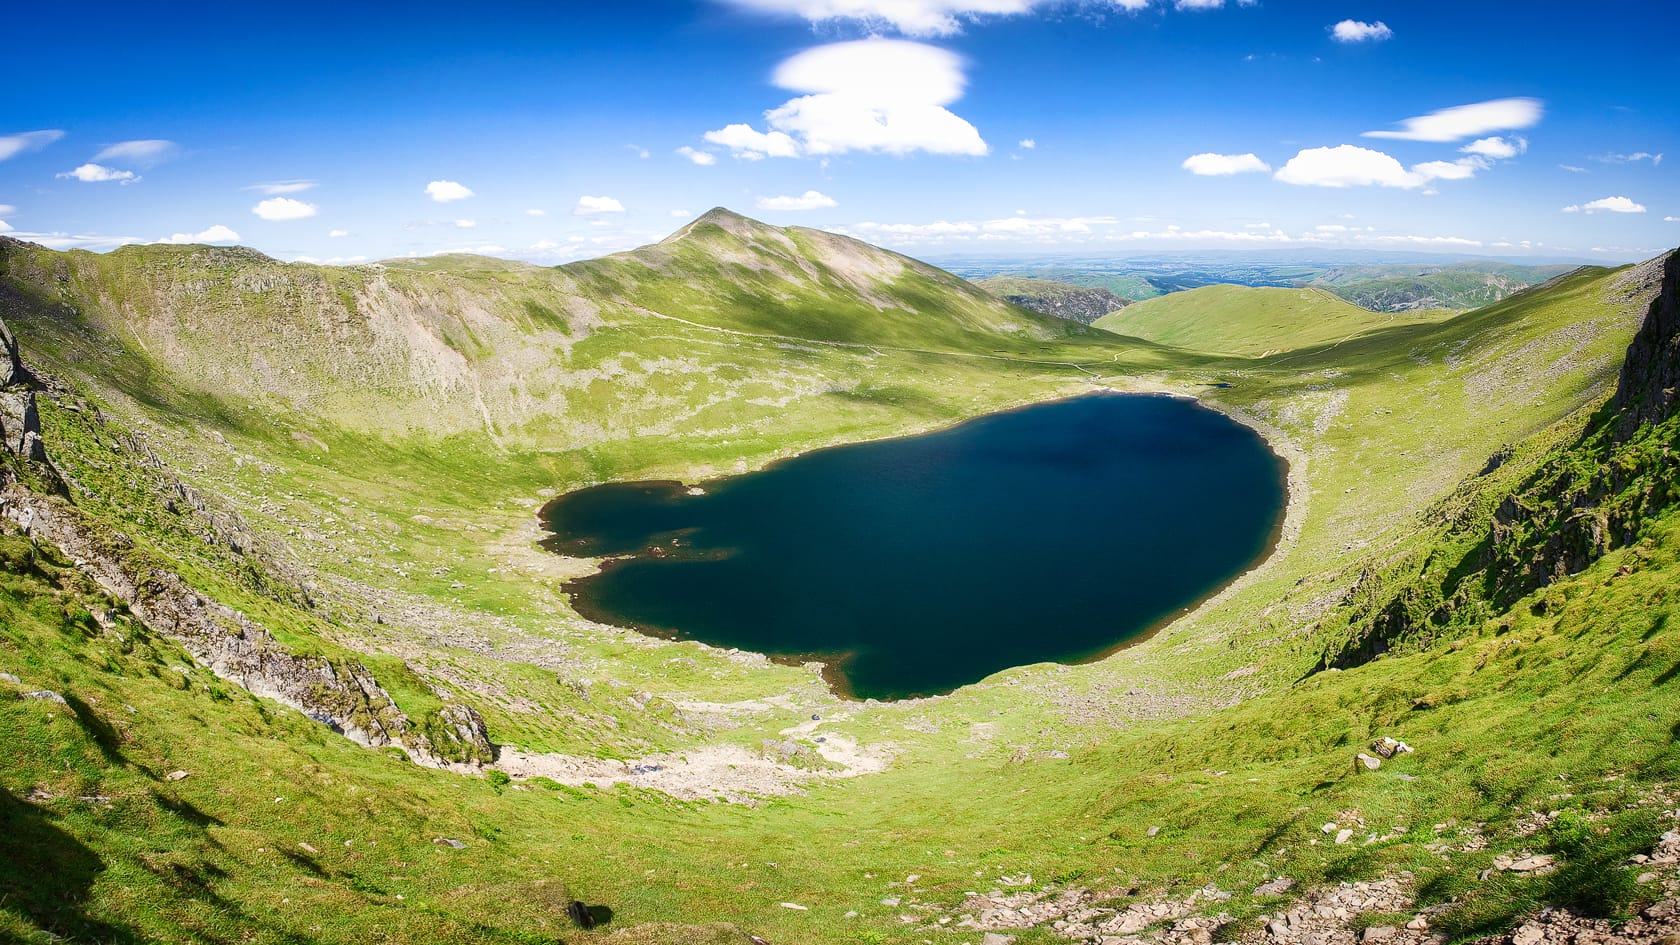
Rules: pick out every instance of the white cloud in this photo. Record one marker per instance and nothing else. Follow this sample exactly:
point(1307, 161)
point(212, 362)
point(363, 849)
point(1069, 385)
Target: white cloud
point(1026, 144)
point(13, 145)
point(587, 205)
point(1633, 158)
point(7, 209)
point(284, 208)
point(1462, 169)
point(534, 212)
point(337, 234)
point(99, 173)
point(1358, 31)
point(1573, 169)
point(747, 143)
point(215, 234)
point(1609, 204)
point(464, 224)
point(1223, 165)
point(145, 151)
point(1198, 4)
point(809, 200)
point(1497, 148)
point(702, 158)
point(443, 191)
point(277, 187)
point(5, 227)
point(1257, 226)
point(1345, 166)
point(1467, 121)
point(639, 151)
point(681, 214)
point(875, 95)
point(1671, 219)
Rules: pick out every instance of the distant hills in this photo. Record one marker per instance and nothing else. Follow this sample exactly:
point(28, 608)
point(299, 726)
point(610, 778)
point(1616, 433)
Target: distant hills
point(1379, 286)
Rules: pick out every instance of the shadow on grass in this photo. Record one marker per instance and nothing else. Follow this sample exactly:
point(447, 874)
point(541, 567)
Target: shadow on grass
point(47, 876)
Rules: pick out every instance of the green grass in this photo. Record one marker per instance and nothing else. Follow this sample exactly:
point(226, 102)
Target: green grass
point(410, 514)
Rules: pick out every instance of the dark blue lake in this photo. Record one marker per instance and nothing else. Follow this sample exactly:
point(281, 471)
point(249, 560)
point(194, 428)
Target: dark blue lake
point(914, 566)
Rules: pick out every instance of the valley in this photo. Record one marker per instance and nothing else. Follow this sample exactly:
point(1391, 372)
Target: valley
point(344, 466)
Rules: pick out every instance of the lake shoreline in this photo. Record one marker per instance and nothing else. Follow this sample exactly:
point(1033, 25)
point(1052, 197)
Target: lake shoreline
point(1279, 536)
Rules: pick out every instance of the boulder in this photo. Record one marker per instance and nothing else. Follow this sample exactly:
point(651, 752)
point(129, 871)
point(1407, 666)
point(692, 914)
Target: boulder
point(1367, 762)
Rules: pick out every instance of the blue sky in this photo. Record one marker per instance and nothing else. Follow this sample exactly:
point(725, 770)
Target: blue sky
point(938, 127)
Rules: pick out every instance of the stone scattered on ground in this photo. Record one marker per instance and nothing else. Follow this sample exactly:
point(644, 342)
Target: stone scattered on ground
point(176, 775)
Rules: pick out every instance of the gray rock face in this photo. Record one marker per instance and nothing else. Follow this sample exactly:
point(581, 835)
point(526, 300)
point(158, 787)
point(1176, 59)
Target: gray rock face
point(1650, 381)
point(11, 364)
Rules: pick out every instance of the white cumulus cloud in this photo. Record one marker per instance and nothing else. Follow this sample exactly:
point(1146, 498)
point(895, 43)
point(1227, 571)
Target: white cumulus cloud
point(1026, 144)
point(1497, 148)
point(809, 200)
point(1607, 204)
point(144, 151)
point(214, 234)
point(702, 158)
point(747, 143)
point(1349, 165)
point(1223, 165)
point(587, 205)
point(1467, 121)
point(5, 227)
point(284, 208)
point(337, 234)
point(13, 145)
point(444, 191)
point(99, 173)
point(1358, 31)
point(877, 95)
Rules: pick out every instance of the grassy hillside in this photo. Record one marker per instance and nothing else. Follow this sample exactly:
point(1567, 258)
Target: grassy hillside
point(399, 529)
point(1245, 321)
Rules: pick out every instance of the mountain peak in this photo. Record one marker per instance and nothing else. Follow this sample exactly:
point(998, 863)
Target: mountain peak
point(724, 219)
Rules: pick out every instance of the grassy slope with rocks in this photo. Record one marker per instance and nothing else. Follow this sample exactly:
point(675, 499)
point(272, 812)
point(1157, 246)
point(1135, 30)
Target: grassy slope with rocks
point(1407, 288)
point(1083, 304)
point(1210, 755)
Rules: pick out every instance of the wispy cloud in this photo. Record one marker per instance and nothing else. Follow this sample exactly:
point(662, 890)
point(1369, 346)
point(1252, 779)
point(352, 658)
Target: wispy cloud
point(809, 200)
point(1467, 121)
point(99, 173)
point(1607, 204)
point(25, 141)
point(1633, 158)
point(337, 234)
point(588, 205)
point(445, 191)
point(214, 234)
point(284, 208)
point(1223, 165)
point(746, 143)
point(277, 187)
point(1358, 31)
point(1026, 144)
point(91, 241)
point(144, 152)
point(1573, 169)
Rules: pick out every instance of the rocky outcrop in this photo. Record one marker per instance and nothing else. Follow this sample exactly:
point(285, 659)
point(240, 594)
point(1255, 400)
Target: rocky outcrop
point(20, 420)
point(1650, 382)
point(1083, 304)
point(336, 691)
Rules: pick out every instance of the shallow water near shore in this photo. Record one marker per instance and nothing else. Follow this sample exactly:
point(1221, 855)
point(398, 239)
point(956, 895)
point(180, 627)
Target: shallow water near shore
point(916, 565)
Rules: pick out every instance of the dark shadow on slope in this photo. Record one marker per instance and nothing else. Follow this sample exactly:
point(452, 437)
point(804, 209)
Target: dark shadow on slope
point(47, 875)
